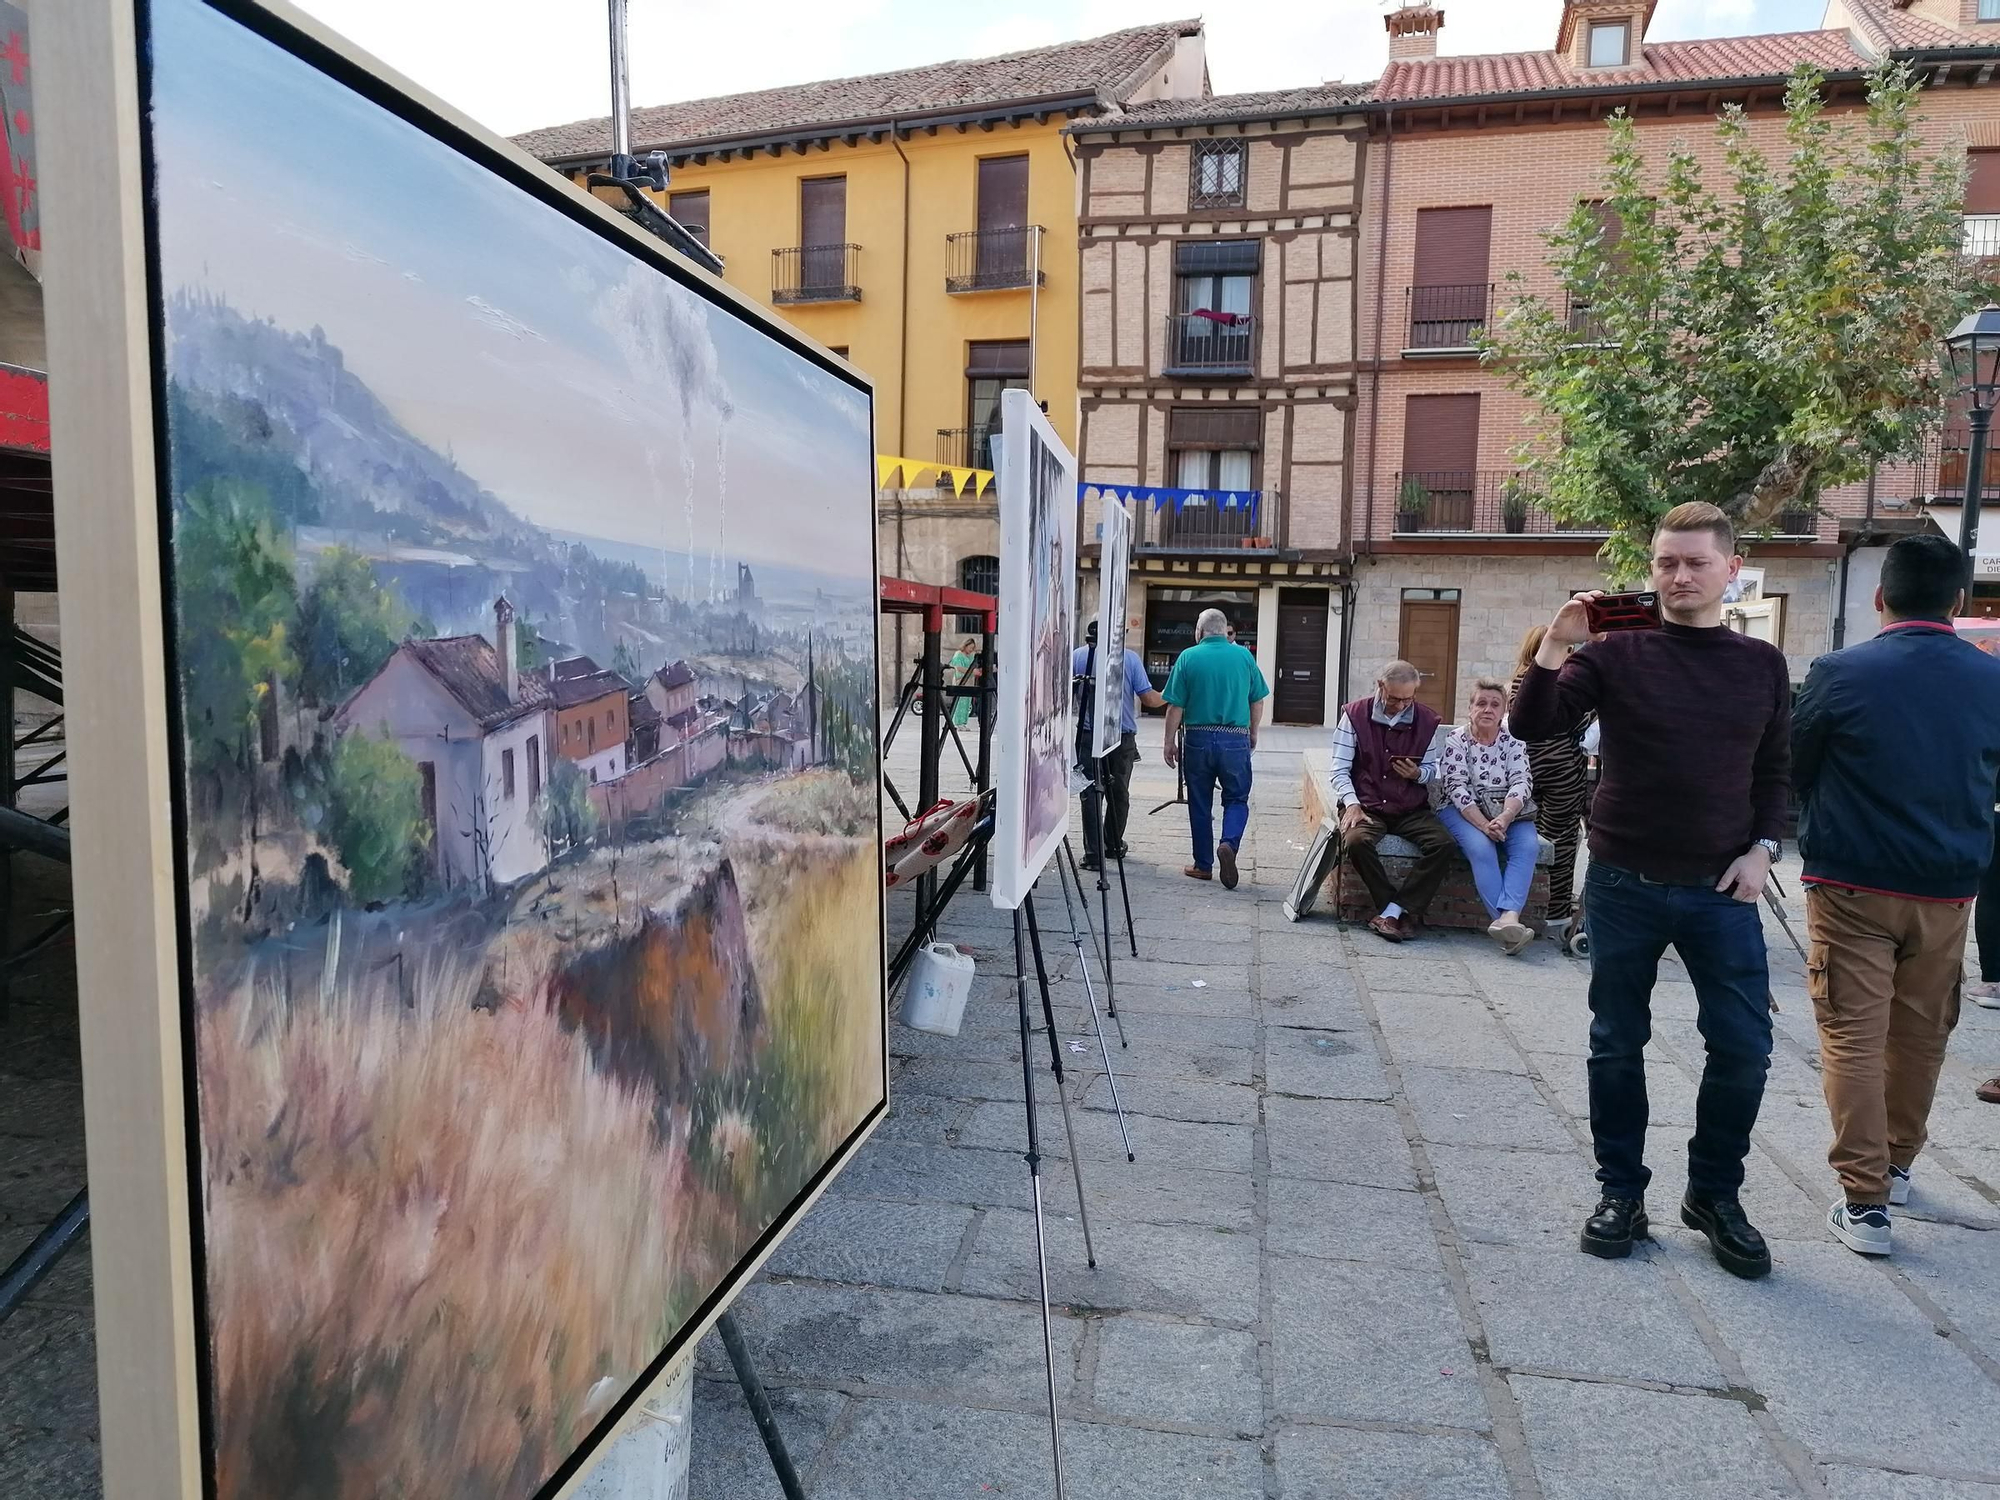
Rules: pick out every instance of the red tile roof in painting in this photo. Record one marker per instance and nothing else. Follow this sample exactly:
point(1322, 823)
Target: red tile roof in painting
point(469, 669)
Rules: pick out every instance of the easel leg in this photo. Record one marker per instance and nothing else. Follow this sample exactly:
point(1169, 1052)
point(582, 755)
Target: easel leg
point(1125, 891)
point(1104, 908)
point(1034, 1159)
point(1096, 1022)
point(760, 1407)
point(1055, 1066)
point(1075, 874)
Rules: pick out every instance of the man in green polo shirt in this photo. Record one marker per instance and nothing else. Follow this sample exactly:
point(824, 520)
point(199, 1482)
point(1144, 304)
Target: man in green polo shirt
point(1215, 695)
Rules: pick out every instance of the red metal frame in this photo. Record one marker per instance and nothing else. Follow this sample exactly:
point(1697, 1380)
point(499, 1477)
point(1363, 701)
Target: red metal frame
point(934, 601)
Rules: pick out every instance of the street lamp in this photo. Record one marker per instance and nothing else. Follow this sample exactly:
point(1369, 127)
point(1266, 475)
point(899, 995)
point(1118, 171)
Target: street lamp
point(1972, 354)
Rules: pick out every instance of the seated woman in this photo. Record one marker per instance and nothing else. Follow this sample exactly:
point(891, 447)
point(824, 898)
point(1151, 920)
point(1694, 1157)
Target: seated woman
point(1484, 772)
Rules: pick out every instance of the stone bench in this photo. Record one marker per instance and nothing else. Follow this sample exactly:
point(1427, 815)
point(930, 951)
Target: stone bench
point(1457, 904)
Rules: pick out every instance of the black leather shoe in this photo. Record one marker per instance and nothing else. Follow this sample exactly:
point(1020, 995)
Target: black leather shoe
point(1739, 1248)
point(1610, 1231)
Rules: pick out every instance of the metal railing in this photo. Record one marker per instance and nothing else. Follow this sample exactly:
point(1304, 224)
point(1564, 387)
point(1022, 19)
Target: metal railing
point(1446, 317)
point(993, 260)
point(1982, 236)
point(966, 447)
point(1208, 525)
point(1478, 502)
point(1586, 324)
point(1207, 343)
point(815, 273)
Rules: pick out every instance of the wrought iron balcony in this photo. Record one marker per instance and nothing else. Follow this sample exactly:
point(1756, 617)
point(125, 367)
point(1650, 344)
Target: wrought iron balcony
point(1586, 324)
point(967, 447)
point(815, 273)
point(1211, 345)
point(1446, 317)
point(1982, 236)
point(1208, 524)
point(994, 260)
point(1472, 502)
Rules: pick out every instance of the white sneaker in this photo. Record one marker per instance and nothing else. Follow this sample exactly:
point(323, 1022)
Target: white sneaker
point(1863, 1228)
point(1984, 995)
point(1899, 1186)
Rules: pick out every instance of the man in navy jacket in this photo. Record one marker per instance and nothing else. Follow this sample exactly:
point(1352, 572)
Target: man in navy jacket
point(1895, 759)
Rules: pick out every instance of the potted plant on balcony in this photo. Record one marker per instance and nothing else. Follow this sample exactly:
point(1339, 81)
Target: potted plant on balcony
point(1513, 508)
point(1413, 502)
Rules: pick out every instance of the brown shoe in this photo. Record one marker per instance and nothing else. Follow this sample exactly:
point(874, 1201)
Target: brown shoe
point(1989, 1091)
point(1225, 856)
point(1386, 927)
point(1195, 872)
point(1413, 927)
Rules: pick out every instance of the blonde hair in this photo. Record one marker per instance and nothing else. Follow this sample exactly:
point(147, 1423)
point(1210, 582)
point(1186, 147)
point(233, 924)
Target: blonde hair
point(1530, 644)
point(1488, 685)
point(1699, 515)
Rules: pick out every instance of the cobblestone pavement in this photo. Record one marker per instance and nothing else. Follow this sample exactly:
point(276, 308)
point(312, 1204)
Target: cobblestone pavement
point(1344, 1263)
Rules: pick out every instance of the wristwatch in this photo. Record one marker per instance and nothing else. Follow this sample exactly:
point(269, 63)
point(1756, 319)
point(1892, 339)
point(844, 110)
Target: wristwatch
point(1773, 848)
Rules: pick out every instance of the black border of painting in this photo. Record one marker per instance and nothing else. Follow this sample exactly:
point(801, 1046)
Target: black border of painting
point(563, 198)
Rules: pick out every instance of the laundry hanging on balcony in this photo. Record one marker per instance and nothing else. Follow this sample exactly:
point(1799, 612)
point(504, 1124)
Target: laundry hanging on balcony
point(1162, 497)
point(1222, 319)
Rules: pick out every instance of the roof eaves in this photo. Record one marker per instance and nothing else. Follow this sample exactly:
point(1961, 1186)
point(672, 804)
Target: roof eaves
point(901, 123)
point(1586, 91)
point(1106, 126)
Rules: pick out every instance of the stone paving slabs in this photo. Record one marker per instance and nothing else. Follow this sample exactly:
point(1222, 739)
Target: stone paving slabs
point(729, 1454)
point(1407, 1361)
point(1338, 1140)
point(1611, 1442)
point(1445, 1031)
point(1176, 1098)
point(1179, 1269)
point(1846, 1483)
point(1498, 1196)
point(910, 1170)
point(1181, 1373)
point(1001, 1127)
point(1338, 1221)
point(1318, 1462)
point(1472, 1107)
point(1321, 1064)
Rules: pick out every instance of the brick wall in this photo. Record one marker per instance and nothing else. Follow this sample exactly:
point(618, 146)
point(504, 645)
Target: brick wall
point(1532, 177)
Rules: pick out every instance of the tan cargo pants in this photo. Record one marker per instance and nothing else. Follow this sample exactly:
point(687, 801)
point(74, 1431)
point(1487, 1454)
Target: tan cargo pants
point(1883, 972)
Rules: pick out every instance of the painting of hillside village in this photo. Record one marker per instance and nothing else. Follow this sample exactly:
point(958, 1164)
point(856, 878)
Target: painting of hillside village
point(522, 607)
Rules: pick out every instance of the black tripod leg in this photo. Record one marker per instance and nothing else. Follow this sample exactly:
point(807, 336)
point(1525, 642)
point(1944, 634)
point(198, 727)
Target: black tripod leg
point(1125, 891)
point(760, 1407)
point(1035, 1180)
point(1055, 1066)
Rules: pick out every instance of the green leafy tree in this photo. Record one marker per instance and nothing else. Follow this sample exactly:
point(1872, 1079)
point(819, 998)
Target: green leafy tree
point(1753, 344)
point(237, 599)
point(349, 624)
point(375, 816)
point(568, 819)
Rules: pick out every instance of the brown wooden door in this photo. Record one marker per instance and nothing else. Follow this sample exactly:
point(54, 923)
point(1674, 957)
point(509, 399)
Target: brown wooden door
point(1300, 696)
point(1428, 640)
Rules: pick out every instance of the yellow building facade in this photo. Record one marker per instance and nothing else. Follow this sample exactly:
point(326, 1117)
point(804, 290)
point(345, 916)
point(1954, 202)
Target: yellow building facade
point(924, 225)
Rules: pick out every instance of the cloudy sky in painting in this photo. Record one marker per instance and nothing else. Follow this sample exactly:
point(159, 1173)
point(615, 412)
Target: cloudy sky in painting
point(580, 385)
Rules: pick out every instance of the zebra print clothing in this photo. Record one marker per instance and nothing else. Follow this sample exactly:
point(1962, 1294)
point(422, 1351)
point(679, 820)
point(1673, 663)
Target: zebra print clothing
point(1562, 792)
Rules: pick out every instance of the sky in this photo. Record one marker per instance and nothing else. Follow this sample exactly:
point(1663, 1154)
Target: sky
point(585, 388)
point(515, 68)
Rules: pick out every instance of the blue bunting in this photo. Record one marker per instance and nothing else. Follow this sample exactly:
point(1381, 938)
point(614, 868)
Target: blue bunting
point(1160, 496)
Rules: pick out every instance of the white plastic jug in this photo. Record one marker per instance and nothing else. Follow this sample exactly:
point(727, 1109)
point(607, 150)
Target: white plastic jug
point(940, 983)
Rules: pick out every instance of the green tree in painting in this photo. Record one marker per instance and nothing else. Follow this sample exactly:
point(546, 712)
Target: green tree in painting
point(568, 819)
point(375, 816)
point(1749, 343)
point(349, 624)
point(237, 599)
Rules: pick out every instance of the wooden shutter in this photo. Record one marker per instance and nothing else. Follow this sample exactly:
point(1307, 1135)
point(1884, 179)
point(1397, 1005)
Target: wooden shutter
point(823, 211)
point(998, 357)
point(1441, 435)
point(1454, 246)
point(1201, 427)
point(1003, 192)
point(1982, 184)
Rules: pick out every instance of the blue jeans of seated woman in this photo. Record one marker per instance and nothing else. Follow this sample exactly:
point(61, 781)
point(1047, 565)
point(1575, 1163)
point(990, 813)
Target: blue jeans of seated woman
point(1502, 886)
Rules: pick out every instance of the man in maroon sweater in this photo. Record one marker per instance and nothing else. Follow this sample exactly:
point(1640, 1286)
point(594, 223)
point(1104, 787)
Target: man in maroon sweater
point(1696, 727)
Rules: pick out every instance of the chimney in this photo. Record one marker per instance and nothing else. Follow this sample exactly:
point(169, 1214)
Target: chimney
point(1413, 30)
point(503, 647)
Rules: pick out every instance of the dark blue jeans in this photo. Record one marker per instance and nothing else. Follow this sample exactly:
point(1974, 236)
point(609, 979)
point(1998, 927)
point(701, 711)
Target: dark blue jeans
point(1631, 922)
point(1210, 756)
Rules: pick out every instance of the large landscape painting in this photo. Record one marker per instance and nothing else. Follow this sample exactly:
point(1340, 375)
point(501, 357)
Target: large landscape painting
point(522, 604)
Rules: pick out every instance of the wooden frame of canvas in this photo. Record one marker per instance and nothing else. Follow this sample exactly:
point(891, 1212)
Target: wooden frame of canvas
point(138, 1094)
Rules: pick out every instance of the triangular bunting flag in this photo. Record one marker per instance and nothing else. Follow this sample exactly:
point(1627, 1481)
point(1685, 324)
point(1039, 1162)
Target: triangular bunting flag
point(885, 471)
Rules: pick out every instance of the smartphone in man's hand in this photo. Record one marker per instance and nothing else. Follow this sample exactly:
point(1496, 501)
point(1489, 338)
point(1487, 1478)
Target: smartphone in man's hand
point(1407, 768)
point(1608, 612)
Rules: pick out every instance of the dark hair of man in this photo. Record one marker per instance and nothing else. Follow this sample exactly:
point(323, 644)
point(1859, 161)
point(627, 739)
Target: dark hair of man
point(1090, 632)
point(1699, 515)
point(1921, 577)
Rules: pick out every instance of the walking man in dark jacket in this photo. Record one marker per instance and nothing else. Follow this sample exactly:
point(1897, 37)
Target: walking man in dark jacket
point(1696, 726)
point(1895, 754)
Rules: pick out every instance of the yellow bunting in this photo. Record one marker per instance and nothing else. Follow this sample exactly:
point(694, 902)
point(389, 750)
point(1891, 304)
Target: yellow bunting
point(885, 470)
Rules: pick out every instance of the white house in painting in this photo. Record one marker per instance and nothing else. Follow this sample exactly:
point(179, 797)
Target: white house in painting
point(477, 728)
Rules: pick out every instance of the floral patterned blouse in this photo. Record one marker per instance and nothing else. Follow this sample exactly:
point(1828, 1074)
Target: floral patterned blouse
point(1472, 772)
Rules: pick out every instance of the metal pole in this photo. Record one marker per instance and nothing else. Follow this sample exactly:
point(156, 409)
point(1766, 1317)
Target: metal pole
point(988, 700)
point(40, 1258)
point(931, 743)
point(760, 1407)
point(1034, 1159)
point(1076, 874)
point(1096, 1021)
point(1975, 491)
point(1055, 1066)
point(1034, 300)
point(621, 96)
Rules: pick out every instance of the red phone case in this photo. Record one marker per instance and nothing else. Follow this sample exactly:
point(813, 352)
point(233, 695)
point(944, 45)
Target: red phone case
point(1609, 612)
